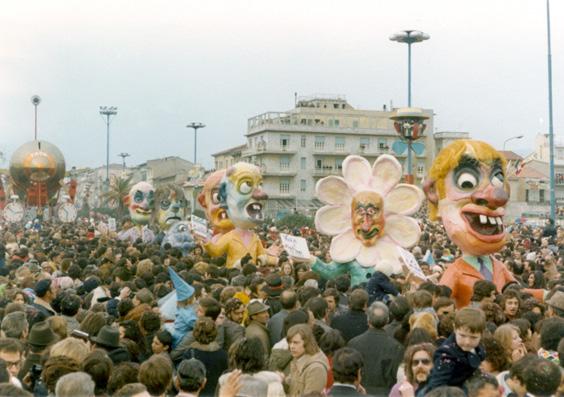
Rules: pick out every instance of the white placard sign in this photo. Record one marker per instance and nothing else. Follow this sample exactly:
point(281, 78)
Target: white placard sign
point(411, 263)
point(295, 246)
point(112, 224)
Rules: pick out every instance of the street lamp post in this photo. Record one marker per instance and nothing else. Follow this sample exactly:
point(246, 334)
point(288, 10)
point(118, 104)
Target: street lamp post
point(108, 111)
point(195, 126)
point(123, 156)
point(409, 37)
point(510, 139)
point(550, 124)
point(35, 100)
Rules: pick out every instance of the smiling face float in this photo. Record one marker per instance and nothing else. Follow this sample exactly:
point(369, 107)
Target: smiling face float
point(368, 212)
point(170, 206)
point(140, 202)
point(468, 191)
point(242, 195)
point(209, 200)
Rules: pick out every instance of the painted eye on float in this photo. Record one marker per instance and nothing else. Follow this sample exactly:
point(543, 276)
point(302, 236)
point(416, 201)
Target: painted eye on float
point(138, 196)
point(182, 228)
point(498, 178)
point(215, 197)
point(165, 204)
point(466, 181)
point(245, 187)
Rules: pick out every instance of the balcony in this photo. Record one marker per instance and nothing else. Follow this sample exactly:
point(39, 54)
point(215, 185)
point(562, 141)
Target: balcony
point(277, 172)
point(268, 149)
point(326, 171)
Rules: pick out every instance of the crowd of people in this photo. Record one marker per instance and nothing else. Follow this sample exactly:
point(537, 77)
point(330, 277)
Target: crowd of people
point(82, 315)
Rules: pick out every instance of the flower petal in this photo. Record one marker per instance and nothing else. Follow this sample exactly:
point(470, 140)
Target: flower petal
point(356, 171)
point(404, 199)
point(333, 190)
point(405, 231)
point(344, 247)
point(368, 256)
point(333, 219)
point(386, 173)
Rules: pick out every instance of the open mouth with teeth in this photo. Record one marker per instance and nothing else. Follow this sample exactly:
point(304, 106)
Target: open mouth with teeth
point(143, 212)
point(484, 225)
point(254, 210)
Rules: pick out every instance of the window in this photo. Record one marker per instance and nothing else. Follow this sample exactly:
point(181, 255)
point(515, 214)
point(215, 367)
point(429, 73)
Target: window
point(319, 142)
point(420, 169)
point(284, 162)
point(340, 143)
point(302, 185)
point(382, 144)
point(318, 164)
point(284, 186)
point(303, 141)
point(338, 164)
point(336, 123)
point(303, 163)
point(355, 124)
point(541, 195)
point(284, 141)
point(364, 142)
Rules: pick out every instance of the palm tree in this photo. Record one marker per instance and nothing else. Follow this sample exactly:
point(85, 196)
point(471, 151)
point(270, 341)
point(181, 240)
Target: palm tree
point(119, 188)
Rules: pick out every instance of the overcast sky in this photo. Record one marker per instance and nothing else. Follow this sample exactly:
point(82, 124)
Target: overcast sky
point(167, 63)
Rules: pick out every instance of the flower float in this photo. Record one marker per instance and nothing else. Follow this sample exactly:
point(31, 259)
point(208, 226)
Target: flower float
point(368, 213)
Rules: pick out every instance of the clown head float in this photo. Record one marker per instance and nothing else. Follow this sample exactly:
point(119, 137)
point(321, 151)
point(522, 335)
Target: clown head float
point(140, 202)
point(368, 213)
point(240, 194)
point(170, 206)
point(209, 200)
point(467, 191)
point(178, 236)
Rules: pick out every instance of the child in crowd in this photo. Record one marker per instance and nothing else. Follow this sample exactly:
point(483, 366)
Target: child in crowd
point(460, 355)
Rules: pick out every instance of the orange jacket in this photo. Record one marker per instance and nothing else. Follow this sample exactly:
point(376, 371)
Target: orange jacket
point(460, 277)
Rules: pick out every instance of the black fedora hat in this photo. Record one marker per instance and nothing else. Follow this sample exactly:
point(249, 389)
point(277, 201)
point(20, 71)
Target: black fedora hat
point(41, 335)
point(108, 336)
point(274, 285)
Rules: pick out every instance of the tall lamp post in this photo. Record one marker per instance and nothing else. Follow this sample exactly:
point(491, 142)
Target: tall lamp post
point(196, 127)
point(550, 123)
point(409, 37)
point(35, 100)
point(510, 139)
point(123, 156)
point(108, 111)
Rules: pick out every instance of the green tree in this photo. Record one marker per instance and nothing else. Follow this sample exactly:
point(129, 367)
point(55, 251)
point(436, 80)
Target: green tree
point(295, 220)
point(119, 188)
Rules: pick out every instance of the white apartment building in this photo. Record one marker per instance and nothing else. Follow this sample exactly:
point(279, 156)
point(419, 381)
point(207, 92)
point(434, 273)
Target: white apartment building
point(296, 148)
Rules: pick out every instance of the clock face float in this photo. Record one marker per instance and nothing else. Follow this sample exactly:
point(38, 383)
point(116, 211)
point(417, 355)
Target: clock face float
point(14, 212)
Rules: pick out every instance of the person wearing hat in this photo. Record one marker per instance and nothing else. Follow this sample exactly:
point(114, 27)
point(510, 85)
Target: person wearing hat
point(256, 327)
point(185, 313)
point(41, 336)
point(190, 378)
point(108, 339)
point(44, 294)
point(273, 289)
point(556, 305)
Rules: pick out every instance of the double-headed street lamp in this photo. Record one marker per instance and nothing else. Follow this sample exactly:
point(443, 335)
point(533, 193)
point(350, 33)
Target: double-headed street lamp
point(108, 111)
point(409, 37)
point(512, 138)
point(123, 156)
point(195, 126)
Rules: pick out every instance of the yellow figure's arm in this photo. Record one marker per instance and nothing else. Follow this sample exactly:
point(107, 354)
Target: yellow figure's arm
point(220, 247)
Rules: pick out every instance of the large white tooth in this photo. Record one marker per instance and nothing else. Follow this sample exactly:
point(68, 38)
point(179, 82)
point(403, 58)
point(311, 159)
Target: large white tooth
point(492, 220)
point(499, 220)
point(483, 219)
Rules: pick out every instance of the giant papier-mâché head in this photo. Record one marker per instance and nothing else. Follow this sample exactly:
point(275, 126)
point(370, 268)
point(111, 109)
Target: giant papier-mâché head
point(468, 191)
point(241, 194)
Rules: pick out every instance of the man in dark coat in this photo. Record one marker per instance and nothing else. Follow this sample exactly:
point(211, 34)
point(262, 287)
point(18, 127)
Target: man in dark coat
point(347, 368)
point(382, 354)
point(353, 322)
point(379, 287)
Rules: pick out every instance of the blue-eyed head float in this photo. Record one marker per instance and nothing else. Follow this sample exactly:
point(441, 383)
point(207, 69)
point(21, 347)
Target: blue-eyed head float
point(241, 194)
point(140, 202)
point(170, 206)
